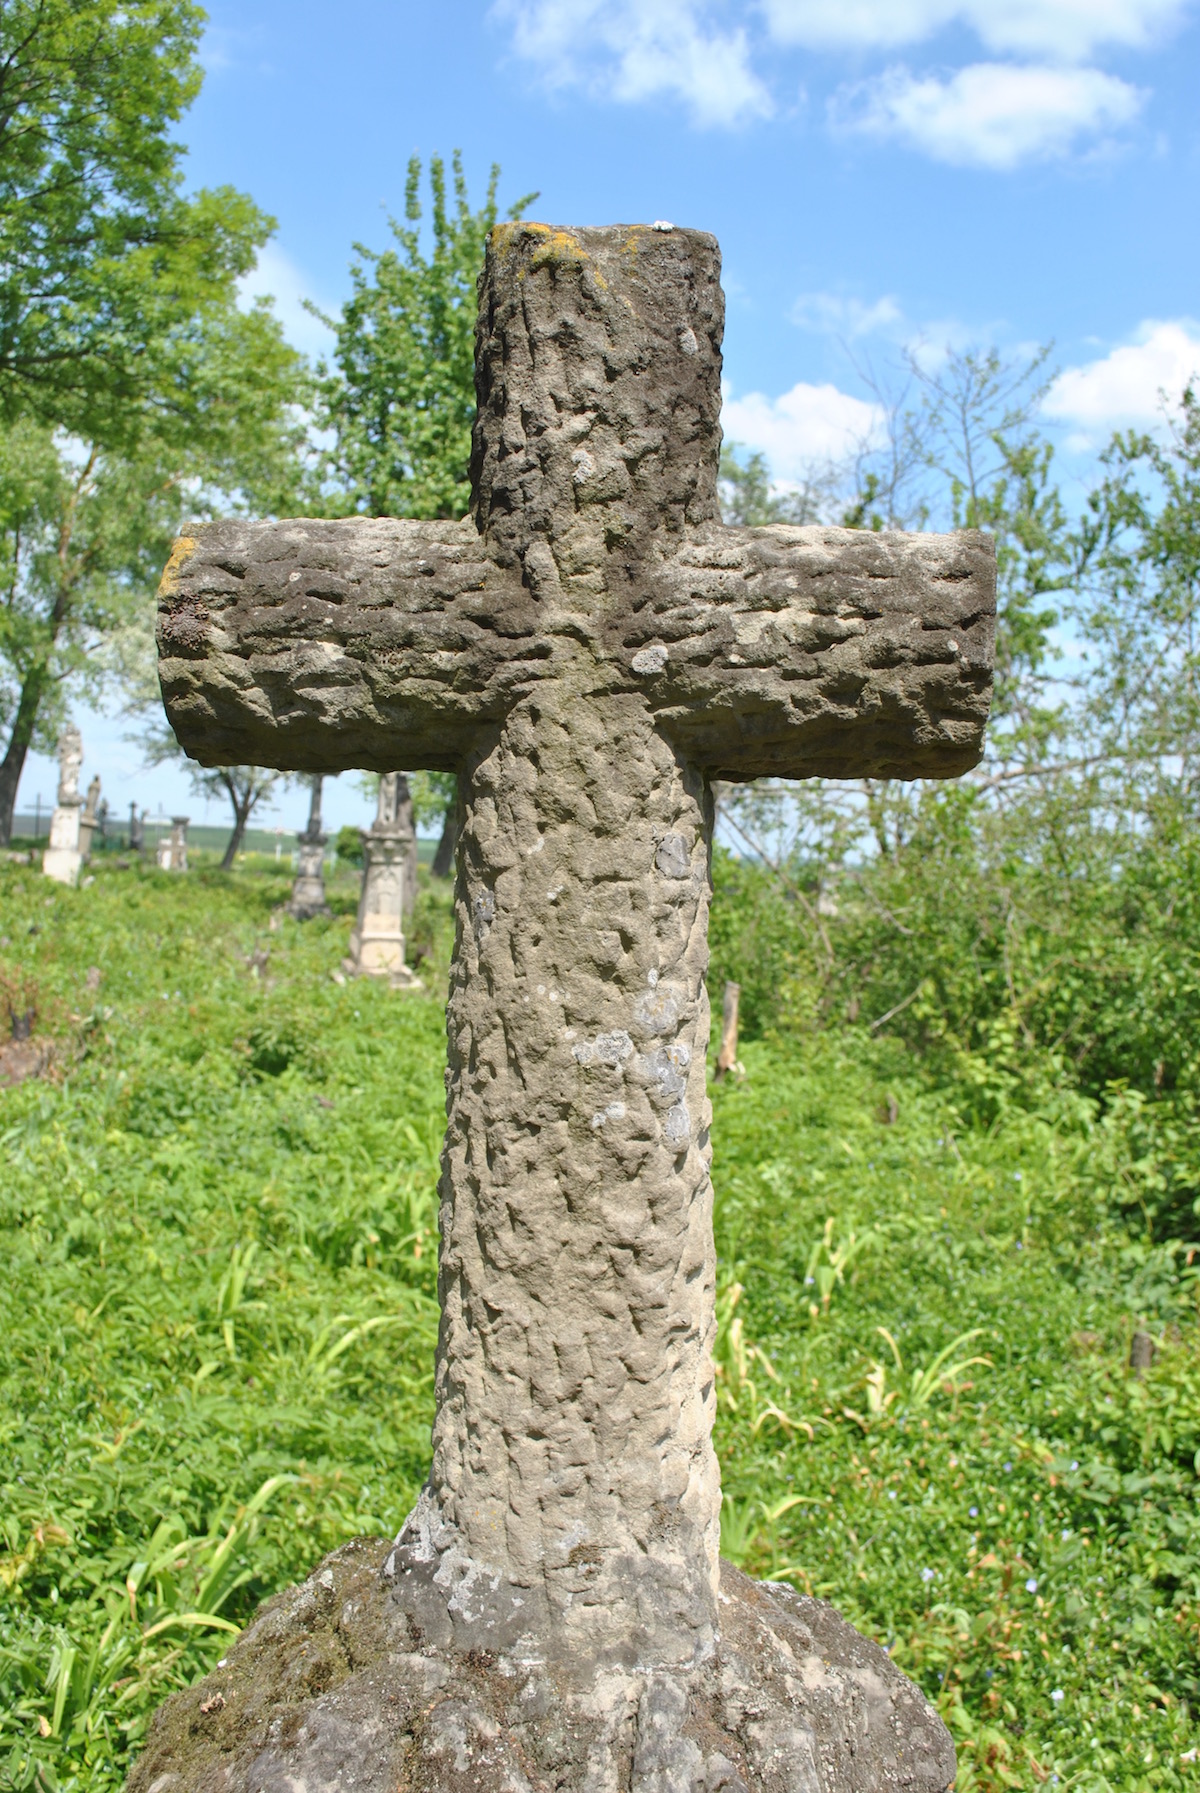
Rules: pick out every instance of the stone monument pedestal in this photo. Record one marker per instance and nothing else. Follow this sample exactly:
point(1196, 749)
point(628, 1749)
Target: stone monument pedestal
point(377, 943)
point(308, 892)
point(385, 1671)
point(65, 854)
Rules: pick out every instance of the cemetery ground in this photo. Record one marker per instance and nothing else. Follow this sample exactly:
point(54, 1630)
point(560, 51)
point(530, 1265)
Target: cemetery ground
point(218, 1309)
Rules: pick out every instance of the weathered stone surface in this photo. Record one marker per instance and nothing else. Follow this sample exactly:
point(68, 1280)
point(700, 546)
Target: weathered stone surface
point(791, 651)
point(595, 550)
point(586, 653)
point(369, 1677)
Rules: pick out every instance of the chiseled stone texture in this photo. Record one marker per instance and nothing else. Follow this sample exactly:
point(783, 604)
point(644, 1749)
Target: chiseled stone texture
point(572, 1446)
point(368, 1680)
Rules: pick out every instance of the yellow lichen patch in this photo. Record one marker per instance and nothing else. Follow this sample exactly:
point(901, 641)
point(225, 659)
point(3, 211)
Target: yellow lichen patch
point(183, 549)
point(554, 248)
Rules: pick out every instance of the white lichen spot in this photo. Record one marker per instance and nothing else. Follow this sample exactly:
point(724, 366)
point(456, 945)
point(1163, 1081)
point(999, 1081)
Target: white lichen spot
point(687, 341)
point(611, 1049)
point(292, 578)
point(649, 659)
point(537, 846)
point(614, 1112)
point(673, 857)
point(652, 977)
point(584, 466)
point(657, 1009)
point(678, 1124)
point(552, 896)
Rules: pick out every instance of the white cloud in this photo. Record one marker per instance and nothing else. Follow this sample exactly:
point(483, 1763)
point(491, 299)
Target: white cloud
point(1068, 29)
point(991, 114)
point(1125, 388)
point(275, 273)
point(840, 316)
point(806, 425)
point(637, 49)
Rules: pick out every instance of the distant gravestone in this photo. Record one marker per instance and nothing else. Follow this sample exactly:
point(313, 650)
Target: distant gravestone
point(65, 853)
point(389, 850)
point(588, 652)
point(137, 829)
point(308, 891)
point(172, 851)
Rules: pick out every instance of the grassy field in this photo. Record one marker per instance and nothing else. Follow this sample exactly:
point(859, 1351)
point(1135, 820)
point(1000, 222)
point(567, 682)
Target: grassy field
point(217, 1316)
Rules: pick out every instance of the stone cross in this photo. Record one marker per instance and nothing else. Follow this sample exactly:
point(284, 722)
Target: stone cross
point(588, 650)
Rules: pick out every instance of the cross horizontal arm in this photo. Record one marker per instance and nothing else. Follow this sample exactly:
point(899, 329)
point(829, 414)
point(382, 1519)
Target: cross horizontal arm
point(814, 652)
point(318, 646)
point(370, 642)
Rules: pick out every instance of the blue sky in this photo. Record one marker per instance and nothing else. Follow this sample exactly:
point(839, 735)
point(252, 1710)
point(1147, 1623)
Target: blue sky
point(878, 172)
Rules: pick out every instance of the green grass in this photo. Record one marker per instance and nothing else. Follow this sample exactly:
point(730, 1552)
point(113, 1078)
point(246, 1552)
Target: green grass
point(218, 1312)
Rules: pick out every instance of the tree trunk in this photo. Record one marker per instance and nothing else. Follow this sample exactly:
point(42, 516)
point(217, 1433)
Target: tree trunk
point(13, 763)
point(233, 846)
point(443, 859)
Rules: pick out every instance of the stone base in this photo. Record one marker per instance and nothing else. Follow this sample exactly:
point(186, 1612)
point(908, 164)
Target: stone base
point(357, 1682)
point(305, 904)
point(370, 958)
point(63, 864)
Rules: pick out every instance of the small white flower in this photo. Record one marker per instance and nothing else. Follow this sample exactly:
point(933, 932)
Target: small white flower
point(928, 1574)
point(1031, 1585)
point(1057, 1696)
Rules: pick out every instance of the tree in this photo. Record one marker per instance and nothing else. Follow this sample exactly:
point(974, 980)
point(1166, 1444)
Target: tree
point(749, 498)
point(402, 400)
point(246, 788)
point(85, 530)
point(132, 388)
point(102, 260)
point(1139, 548)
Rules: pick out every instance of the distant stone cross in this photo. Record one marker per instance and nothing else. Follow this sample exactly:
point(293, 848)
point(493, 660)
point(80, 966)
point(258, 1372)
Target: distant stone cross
point(588, 650)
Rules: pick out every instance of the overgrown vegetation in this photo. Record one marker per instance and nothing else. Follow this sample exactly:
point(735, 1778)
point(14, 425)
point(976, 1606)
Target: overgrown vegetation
point(219, 1310)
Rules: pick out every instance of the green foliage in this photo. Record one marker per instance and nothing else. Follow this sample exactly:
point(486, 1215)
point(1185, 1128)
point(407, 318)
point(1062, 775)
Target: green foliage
point(134, 390)
point(748, 498)
point(218, 1220)
point(107, 271)
point(402, 401)
point(347, 844)
point(219, 1230)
